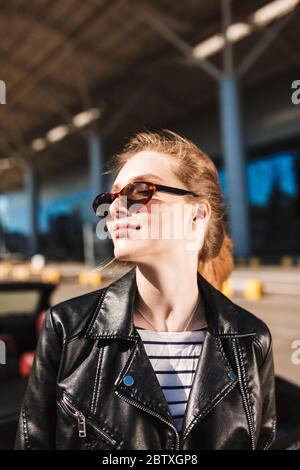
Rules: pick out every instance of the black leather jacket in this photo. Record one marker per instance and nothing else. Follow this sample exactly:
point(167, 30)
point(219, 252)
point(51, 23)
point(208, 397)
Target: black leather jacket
point(78, 396)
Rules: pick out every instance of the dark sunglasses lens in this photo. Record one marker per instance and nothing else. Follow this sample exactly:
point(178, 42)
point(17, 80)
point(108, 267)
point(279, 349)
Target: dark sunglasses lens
point(101, 204)
point(133, 194)
point(137, 193)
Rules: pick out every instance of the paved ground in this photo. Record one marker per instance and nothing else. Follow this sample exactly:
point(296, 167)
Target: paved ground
point(282, 315)
point(281, 311)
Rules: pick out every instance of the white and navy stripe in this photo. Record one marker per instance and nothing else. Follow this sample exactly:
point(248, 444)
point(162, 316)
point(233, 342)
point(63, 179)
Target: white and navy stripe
point(174, 357)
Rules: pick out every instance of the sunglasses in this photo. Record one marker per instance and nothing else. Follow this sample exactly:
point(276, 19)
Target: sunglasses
point(138, 192)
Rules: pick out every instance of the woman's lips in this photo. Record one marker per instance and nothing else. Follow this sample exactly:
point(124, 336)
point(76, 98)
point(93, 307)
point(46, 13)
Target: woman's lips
point(123, 231)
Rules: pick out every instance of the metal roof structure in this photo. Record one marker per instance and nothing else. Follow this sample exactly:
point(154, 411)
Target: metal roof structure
point(129, 59)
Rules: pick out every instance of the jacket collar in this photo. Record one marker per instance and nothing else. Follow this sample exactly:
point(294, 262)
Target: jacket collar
point(214, 376)
point(113, 315)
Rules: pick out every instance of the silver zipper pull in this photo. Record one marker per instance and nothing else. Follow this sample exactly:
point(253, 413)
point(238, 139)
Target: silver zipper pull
point(81, 425)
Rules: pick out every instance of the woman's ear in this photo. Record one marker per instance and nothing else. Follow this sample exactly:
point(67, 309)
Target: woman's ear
point(200, 212)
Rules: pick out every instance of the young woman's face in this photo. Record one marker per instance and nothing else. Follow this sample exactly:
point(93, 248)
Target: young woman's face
point(165, 223)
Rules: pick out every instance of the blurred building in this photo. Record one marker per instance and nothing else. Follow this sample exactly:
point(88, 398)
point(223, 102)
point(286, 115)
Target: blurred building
point(81, 77)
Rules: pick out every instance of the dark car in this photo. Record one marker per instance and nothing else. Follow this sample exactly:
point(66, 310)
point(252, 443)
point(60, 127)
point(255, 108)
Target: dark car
point(21, 309)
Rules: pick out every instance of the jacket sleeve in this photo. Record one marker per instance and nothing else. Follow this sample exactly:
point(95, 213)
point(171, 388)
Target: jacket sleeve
point(37, 421)
point(269, 421)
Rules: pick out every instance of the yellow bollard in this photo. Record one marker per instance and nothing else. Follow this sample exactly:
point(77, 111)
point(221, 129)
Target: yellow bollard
point(253, 289)
point(286, 261)
point(5, 270)
point(227, 288)
point(83, 278)
point(21, 273)
point(254, 261)
point(95, 279)
point(90, 278)
point(51, 275)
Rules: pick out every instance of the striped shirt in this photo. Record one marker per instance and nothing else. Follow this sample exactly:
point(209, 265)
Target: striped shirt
point(174, 357)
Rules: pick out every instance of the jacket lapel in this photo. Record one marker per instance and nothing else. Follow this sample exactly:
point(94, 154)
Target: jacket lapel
point(213, 380)
point(144, 390)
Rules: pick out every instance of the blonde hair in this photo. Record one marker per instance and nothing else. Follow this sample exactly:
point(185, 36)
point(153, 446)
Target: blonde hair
point(198, 173)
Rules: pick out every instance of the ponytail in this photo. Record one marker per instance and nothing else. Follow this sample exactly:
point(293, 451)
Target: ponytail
point(218, 269)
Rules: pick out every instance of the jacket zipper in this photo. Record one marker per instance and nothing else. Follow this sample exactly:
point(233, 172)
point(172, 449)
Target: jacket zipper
point(131, 402)
point(244, 398)
point(82, 420)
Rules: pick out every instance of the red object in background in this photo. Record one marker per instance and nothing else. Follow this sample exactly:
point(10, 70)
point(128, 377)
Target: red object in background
point(26, 359)
point(25, 363)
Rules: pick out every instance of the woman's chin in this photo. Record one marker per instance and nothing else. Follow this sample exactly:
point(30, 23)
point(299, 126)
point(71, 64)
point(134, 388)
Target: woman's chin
point(123, 251)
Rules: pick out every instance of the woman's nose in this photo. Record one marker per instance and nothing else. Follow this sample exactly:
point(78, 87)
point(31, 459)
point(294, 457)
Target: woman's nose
point(118, 209)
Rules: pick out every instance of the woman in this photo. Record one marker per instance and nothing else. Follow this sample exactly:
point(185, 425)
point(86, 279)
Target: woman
point(159, 359)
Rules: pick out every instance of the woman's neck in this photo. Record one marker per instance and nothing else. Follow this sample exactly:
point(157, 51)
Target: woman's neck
point(167, 300)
